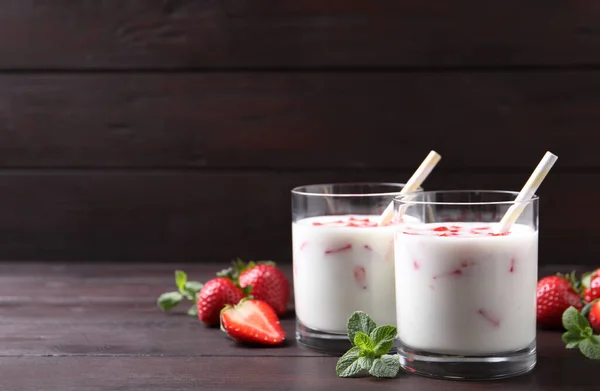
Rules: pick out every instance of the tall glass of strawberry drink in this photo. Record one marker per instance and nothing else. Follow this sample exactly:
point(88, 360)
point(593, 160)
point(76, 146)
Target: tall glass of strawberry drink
point(343, 259)
point(465, 291)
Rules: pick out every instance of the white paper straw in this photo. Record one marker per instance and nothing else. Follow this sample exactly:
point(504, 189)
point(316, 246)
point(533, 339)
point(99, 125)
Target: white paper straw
point(413, 184)
point(535, 180)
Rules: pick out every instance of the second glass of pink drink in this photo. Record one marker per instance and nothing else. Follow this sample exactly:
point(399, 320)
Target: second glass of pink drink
point(466, 292)
point(343, 260)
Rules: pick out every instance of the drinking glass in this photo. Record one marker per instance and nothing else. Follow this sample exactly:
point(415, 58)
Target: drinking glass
point(343, 260)
point(465, 293)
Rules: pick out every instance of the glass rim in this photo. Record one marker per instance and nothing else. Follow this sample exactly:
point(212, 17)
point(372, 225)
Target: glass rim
point(401, 199)
point(298, 189)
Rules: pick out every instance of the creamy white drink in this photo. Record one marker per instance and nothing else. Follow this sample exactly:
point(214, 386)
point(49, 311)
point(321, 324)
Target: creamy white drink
point(463, 290)
point(343, 264)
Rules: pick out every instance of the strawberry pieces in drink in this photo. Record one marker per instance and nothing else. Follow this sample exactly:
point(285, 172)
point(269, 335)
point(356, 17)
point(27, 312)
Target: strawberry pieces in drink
point(350, 222)
point(488, 316)
point(554, 295)
point(453, 231)
point(252, 321)
point(339, 249)
point(360, 277)
point(215, 294)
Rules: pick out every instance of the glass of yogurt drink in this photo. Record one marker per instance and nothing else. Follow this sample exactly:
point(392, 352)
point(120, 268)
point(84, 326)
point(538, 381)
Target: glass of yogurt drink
point(465, 292)
point(343, 259)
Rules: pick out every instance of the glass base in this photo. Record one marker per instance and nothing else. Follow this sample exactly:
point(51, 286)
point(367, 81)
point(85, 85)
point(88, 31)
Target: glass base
point(332, 343)
point(487, 367)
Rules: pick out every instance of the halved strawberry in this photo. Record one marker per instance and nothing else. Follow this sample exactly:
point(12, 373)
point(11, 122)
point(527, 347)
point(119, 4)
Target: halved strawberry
point(215, 294)
point(252, 321)
point(554, 295)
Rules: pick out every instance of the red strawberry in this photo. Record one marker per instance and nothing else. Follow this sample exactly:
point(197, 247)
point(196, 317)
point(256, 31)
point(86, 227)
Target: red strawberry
point(554, 295)
point(215, 294)
point(269, 284)
point(591, 285)
point(594, 316)
point(252, 321)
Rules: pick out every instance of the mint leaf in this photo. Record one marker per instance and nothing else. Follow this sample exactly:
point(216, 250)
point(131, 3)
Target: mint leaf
point(190, 290)
point(365, 363)
point(383, 337)
point(386, 366)
point(572, 338)
point(168, 301)
point(180, 279)
point(194, 286)
point(188, 294)
point(348, 364)
point(573, 320)
point(590, 347)
point(359, 321)
point(364, 342)
point(193, 311)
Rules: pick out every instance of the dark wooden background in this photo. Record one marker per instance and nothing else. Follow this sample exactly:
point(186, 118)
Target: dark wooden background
point(150, 130)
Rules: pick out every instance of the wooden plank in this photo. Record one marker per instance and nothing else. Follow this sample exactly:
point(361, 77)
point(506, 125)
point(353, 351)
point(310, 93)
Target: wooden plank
point(279, 120)
point(110, 310)
point(236, 33)
point(151, 334)
point(271, 373)
point(214, 217)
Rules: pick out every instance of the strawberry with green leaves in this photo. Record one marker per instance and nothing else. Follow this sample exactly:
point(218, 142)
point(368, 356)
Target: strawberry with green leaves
point(263, 281)
point(214, 296)
point(267, 283)
point(554, 295)
point(252, 321)
point(207, 299)
point(371, 345)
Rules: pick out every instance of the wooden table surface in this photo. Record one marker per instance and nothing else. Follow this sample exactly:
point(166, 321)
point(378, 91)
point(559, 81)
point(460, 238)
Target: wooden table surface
point(96, 327)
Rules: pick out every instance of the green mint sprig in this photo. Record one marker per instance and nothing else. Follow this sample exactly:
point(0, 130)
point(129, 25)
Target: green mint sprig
point(579, 334)
point(185, 289)
point(370, 348)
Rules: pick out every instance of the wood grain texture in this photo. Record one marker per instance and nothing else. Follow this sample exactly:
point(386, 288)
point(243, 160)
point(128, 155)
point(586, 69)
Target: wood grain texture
point(214, 217)
point(110, 310)
point(299, 120)
point(85, 332)
point(58, 34)
point(264, 373)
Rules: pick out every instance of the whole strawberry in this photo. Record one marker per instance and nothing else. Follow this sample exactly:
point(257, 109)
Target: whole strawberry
point(594, 316)
point(214, 296)
point(268, 284)
point(554, 295)
point(591, 286)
